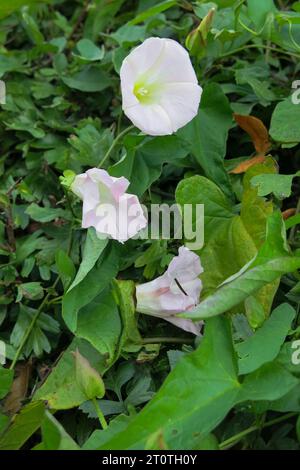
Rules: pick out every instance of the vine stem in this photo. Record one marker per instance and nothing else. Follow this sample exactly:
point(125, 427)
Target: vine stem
point(38, 312)
point(294, 229)
point(33, 321)
point(99, 413)
point(113, 145)
point(237, 437)
point(80, 19)
point(262, 46)
point(167, 340)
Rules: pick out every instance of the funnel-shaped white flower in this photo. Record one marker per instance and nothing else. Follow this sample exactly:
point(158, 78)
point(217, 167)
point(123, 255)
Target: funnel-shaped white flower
point(106, 205)
point(176, 291)
point(159, 87)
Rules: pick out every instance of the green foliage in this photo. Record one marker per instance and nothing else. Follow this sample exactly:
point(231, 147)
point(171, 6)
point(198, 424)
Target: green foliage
point(25, 424)
point(279, 185)
point(284, 128)
point(61, 389)
point(64, 291)
point(54, 436)
point(207, 135)
point(6, 378)
point(211, 394)
point(265, 344)
point(271, 261)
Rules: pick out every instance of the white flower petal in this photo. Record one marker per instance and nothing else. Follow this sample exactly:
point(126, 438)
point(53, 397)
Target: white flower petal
point(174, 65)
point(136, 65)
point(86, 190)
point(130, 217)
point(128, 77)
point(186, 325)
point(185, 267)
point(150, 119)
point(181, 102)
point(144, 57)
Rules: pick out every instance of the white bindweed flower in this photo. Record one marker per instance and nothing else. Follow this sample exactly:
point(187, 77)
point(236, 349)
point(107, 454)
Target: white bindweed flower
point(176, 291)
point(159, 87)
point(106, 205)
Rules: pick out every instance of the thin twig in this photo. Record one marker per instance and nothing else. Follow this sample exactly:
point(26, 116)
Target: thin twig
point(294, 228)
point(163, 339)
point(113, 145)
point(32, 323)
point(261, 46)
point(80, 19)
point(99, 413)
point(237, 437)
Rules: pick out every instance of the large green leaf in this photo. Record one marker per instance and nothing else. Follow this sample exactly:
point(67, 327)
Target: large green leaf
point(91, 252)
point(198, 394)
point(207, 135)
point(6, 379)
point(23, 426)
point(269, 382)
point(285, 122)
point(231, 241)
point(258, 11)
point(217, 207)
point(98, 438)
point(265, 344)
point(146, 157)
point(194, 398)
point(54, 436)
point(272, 261)
point(93, 282)
point(99, 323)
point(279, 185)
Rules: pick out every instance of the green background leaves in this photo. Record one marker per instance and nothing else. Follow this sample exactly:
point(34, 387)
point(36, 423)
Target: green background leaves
point(63, 289)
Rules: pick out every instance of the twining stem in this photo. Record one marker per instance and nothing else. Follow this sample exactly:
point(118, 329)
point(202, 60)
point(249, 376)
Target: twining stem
point(261, 46)
point(32, 323)
point(167, 340)
point(116, 140)
point(80, 19)
point(99, 413)
point(44, 302)
point(294, 229)
point(237, 437)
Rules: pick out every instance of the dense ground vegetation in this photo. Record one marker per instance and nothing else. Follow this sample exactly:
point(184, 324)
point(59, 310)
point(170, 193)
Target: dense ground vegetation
point(63, 290)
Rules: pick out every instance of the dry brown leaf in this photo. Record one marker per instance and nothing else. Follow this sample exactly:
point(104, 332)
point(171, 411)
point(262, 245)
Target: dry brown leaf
point(288, 213)
point(13, 402)
point(246, 164)
point(258, 132)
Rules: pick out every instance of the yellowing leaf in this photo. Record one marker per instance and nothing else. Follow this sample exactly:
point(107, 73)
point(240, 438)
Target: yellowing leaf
point(246, 164)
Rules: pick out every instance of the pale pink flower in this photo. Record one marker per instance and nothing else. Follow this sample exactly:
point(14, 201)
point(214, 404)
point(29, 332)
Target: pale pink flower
point(107, 206)
point(176, 291)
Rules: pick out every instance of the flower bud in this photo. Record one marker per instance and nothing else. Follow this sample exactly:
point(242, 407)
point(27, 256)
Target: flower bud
point(196, 41)
point(88, 378)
